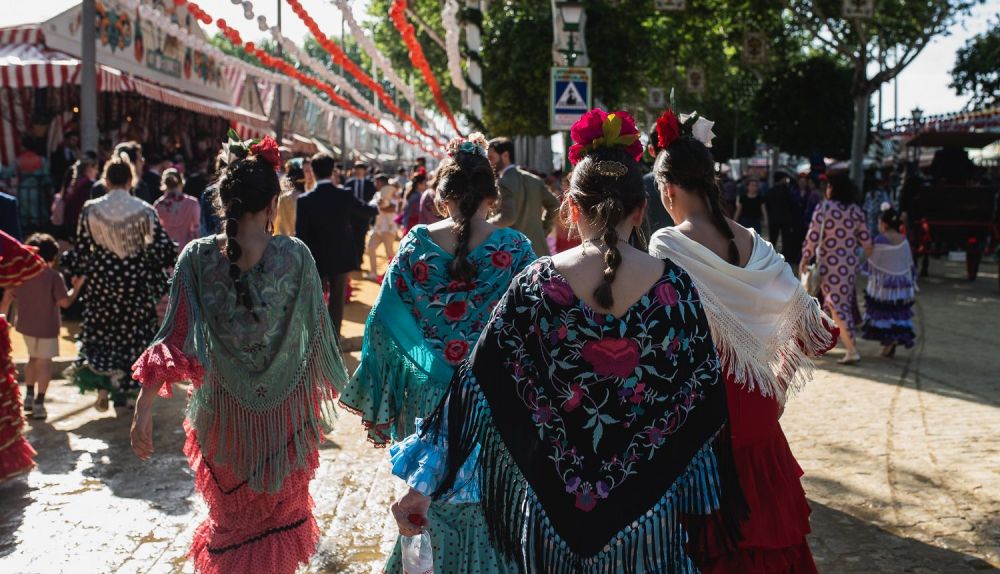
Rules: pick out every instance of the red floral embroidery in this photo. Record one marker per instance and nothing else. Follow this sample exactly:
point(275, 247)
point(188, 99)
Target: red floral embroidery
point(455, 351)
point(455, 310)
point(612, 357)
point(401, 284)
point(420, 271)
point(502, 259)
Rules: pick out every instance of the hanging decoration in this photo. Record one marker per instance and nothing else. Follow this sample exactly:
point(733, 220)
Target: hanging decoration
point(288, 73)
point(449, 17)
point(341, 58)
point(383, 64)
point(398, 14)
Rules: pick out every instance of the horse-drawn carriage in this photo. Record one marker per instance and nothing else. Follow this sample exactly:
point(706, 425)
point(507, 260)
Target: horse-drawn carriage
point(952, 213)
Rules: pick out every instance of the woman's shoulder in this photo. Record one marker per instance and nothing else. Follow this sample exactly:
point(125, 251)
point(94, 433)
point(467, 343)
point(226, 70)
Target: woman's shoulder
point(510, 239)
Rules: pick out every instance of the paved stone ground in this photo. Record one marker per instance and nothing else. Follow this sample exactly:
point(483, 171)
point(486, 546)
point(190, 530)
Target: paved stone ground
point(901, 459)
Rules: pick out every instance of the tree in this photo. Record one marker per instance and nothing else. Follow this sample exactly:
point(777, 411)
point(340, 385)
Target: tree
point(819, 122)
point(888, 42)
point(977, 69)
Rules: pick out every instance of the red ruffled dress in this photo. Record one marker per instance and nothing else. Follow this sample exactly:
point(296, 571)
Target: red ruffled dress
point(249, 528)
point(17, 264)
point(774, 535)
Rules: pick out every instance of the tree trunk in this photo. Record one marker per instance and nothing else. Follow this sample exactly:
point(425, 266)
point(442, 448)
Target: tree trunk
point(859, 138)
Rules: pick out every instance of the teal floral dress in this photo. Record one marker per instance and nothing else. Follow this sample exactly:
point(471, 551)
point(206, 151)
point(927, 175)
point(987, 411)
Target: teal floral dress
point(422, 327)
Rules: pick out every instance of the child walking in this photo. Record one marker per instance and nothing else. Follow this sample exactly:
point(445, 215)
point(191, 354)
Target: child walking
point(892, 286)
point(38, 303)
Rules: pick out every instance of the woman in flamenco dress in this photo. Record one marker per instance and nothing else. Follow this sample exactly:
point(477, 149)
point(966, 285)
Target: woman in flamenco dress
point(246, 325)
point(765, 328)
point(17, 265)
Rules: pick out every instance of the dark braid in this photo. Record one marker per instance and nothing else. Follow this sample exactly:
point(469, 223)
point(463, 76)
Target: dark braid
point(468, 179)
point(247, 187)
point(688, 164)
point(605, 199)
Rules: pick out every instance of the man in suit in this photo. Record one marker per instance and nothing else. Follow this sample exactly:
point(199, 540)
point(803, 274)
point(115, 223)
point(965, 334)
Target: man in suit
point(324, 223)
point(526, 204)
point(363, 189)
point(62, 158)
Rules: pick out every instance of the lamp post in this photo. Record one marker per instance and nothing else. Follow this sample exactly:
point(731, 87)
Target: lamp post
point(571, 13)
point(917, 114)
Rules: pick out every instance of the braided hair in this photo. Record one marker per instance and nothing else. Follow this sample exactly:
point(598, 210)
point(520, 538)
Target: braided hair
point(606, 186)
point(467, 178)
point(247, 186)
point(689, 164)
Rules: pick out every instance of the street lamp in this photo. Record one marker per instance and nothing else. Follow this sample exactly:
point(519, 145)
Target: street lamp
point(917, 114)
point(571, 13)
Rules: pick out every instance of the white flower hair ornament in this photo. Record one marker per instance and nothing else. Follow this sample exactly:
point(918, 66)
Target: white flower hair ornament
point(698, 127)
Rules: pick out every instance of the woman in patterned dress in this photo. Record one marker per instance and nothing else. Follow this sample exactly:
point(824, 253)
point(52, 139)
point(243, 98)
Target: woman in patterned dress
point(436, 299)
point(247, 326)
point(837, 234)
point(125, 253)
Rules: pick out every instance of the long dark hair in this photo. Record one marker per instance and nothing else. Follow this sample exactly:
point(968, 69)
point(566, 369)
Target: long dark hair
point(606, 186)
point(247, 186)
point(467, 179)
point(687, 163)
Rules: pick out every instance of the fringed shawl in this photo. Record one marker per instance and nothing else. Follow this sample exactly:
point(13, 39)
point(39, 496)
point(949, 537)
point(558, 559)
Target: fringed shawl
point(264, 387)
point(603, 441)
point(120, 223)
point(423, 324)
point(764, 324)
point(891, 272)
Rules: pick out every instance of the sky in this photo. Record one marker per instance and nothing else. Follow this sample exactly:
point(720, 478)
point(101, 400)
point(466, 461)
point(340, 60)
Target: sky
point(924, 83)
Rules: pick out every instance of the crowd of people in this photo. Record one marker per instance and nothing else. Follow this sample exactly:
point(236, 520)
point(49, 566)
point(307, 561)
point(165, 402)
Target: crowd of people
point(558, 395)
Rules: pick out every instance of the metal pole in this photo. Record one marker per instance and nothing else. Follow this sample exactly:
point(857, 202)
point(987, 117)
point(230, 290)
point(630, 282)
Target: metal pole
point(279, 126)
point(88, 79)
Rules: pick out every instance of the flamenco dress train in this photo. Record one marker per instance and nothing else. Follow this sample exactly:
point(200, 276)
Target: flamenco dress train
point(17, 264)
point(264, 384)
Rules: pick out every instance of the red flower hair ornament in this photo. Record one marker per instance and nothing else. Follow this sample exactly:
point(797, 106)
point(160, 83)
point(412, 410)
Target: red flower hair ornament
point(599, 129)
point(670, 128)
point(266, 149)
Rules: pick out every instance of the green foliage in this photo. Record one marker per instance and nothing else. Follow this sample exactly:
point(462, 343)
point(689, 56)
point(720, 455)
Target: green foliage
point(806, 108)
point(977, 69)
point(517, 56)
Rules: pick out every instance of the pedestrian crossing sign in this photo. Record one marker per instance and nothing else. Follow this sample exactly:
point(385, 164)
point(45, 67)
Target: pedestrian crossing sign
point(570, 97)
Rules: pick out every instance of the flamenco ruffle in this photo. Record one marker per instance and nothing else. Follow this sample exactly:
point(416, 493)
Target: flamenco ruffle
point(162, 365)
point(16, 455)
point(898, 335)
point(248, 530)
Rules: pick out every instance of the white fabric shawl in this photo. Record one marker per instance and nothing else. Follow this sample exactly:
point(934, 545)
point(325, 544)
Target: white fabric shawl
point(764, 324)
point(120, 222)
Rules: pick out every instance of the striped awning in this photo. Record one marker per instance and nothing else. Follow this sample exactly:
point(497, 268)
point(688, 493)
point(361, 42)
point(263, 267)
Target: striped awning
point(22, 35)
point(31, 66)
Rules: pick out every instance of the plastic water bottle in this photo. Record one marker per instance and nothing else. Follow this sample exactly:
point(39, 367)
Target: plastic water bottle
point(418, 554)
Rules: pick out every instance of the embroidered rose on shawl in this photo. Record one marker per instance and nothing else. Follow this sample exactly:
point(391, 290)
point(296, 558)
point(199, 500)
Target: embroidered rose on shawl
point(585, 499)
point(559, 291)
point(612, 357)
point(502, 259)
point(575, 398)
point(456, 286)
point(401, 284)
point(420, 271)
point(667, 294)
point(455, 351)
point(455, 310)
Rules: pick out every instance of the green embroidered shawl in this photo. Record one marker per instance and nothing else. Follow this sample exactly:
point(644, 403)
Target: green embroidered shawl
point(270, 382)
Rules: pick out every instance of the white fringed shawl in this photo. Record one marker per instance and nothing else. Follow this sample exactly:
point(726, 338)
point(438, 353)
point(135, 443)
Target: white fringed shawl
point(120, 222)
point(764, 324)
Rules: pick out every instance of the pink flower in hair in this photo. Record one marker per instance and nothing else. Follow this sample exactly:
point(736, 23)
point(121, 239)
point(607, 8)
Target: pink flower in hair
point(597, 129)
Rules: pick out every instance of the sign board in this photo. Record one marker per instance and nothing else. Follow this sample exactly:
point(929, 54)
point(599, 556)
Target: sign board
point(858, 9)
point(570, 97)
point(754, 48)
point(669, 5)
point(695, 80)
point(655, 98)
point(135, 46)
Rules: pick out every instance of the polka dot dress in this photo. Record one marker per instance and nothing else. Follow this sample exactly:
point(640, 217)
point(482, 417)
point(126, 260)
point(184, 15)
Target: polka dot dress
point(844, 233)
point(119, 304)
